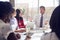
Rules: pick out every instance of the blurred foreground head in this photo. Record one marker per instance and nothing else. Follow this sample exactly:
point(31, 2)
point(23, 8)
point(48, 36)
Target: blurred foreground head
point(5, 11)
point(55, 21)
point(12, 36)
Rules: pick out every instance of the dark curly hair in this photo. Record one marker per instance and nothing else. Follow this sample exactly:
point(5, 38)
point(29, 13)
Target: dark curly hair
point(12, 36)
point(5, 11)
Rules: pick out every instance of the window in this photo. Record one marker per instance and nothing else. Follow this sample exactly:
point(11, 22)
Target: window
point(34, 3)
point(32, 6)
point(49, 3)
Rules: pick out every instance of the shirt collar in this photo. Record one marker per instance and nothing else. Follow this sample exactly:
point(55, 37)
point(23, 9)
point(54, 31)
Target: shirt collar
point(40, 14)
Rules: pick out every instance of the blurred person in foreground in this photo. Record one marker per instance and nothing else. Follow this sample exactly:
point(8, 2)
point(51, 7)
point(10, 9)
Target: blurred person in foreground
point(12, 36)
point(54, 25)
point(5, 12)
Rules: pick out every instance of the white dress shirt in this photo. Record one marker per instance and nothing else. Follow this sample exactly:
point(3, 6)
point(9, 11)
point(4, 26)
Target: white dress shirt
point(13, 23)
point(37, 20)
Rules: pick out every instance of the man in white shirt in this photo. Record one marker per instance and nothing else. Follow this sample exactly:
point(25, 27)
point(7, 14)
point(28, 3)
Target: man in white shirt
point(41, 19)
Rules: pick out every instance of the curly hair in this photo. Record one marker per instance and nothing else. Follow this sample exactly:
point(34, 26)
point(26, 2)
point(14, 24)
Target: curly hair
point(5, 10)
point(12, 36)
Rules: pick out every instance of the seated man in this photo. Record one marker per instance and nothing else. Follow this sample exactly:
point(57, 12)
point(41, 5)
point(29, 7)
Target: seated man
point(41, 19)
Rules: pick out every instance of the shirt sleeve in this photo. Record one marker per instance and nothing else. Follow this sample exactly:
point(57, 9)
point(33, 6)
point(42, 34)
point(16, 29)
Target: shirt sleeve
point(13, 24)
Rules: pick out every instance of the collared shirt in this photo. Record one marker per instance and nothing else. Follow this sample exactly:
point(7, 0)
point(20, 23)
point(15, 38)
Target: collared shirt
point(37, 20)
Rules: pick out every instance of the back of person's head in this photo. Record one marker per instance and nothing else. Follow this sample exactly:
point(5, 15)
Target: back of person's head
point(55, 21)
point(18, 11)
point(5, 10)
point(12, 36)
point(18, 36)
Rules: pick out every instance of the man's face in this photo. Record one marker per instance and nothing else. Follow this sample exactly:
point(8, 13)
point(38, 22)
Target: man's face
point(42, 10)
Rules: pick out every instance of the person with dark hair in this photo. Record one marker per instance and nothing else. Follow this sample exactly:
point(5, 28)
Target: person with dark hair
point(54, 25)
point(5, 11)
point(42, 7)
point(18, 36)
point(41, 19)
point(12, 36)
point(13, 20)
point(20, 18)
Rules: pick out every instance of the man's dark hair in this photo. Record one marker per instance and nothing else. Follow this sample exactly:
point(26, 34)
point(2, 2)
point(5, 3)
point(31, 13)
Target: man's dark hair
point(42, 7)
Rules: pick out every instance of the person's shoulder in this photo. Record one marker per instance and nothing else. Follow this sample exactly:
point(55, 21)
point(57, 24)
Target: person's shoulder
point(3, 24)
point(49, 36)
point(13, 19)
point(46, 36)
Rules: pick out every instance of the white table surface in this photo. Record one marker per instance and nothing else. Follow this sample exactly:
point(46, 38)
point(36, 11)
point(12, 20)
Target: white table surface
point(36, 34)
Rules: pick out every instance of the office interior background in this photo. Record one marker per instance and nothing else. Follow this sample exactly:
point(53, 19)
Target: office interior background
point(31, 7)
